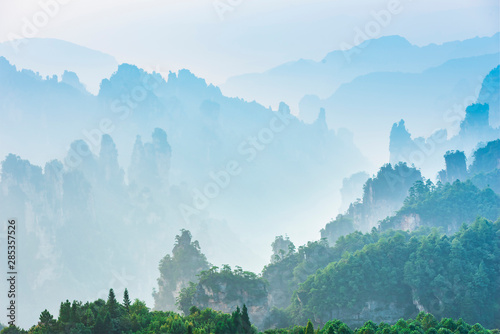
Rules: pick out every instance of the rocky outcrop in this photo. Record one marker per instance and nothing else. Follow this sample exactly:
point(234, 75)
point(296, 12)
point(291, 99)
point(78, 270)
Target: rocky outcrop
point(410, 222)
point(178, 270)
point(490, 94)
point(374, 310)
point(150, 162)
point(226, 296)
point(108, 160)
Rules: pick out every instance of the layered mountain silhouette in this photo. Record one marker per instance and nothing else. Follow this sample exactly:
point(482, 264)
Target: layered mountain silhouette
point(378, 80)
point(49, 56)
point(291, 81)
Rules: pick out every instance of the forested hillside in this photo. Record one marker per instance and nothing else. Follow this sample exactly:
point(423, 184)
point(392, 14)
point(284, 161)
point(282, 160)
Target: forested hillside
point(437, 253)
point(444, 205)
point(456, 276)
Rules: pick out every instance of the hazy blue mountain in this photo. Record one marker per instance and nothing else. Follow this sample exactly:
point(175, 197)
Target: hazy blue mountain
point(291, 81)
point(52, 111)
point(490, 94)
point(428, 101)
point(475, 128)
point(49, 56)
point(106, 181)
point(352, 189)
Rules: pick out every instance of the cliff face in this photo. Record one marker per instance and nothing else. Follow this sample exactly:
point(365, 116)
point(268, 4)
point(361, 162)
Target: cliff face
point(178, 270)
point(383, 195)
point(412, 221)
point(376, 311)
point(490, 94)
point(226, 296)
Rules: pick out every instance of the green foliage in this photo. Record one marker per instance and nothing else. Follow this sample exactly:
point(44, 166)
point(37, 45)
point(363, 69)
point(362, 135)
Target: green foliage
point(245, 320)
point(309, 328)
point(126, 301)
point(239, 286)
point(46, 319)
point(486, 158)
point(382, 195)
point(186, 301)
point(285, 275)
point(391, 183)
point(112, 305)
point(12, 330)
point(488, 180)
point(209, 321)
point(452, 276)
point(446, 205)
point(340, 226)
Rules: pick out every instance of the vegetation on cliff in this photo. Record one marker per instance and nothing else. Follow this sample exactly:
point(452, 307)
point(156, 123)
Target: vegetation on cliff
point(456, 276)
point(445, 205)
point(178, 269)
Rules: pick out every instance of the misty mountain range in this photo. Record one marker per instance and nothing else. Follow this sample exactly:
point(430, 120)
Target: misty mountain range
point(103, 181)
point(290, 82)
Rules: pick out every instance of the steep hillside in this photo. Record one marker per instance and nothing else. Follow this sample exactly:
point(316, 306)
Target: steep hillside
point(400, 276)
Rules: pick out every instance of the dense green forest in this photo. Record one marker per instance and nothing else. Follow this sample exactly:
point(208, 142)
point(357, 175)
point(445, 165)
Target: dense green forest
point(485, 169)
point(110, 317)
point(400, 195)
point(451, 276)
point(444, 205)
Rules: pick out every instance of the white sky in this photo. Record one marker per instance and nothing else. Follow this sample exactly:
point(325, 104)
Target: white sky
point(254, 36)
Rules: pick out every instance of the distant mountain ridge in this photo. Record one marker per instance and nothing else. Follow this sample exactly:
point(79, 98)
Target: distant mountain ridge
point(49, 56)
point(428, 101)
point(291, 81)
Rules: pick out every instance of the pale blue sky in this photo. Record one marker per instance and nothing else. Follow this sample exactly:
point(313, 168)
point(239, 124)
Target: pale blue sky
point(253, 36)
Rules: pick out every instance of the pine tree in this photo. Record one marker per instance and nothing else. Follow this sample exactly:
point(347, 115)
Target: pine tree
point(126, 301)
point(112, 305)
point(46, 318)
point(74, 316)
point(236, 320)
point(88, 318)
point(98, 327)
point(309, 328)
point(343, 329)
point(65, 312)
point(245, 319)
